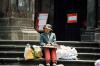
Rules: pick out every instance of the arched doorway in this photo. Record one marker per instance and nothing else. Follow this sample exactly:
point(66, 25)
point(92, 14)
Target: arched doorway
point(63, 29)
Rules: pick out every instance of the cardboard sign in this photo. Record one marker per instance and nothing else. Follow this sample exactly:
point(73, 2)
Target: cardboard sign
point(72, 18)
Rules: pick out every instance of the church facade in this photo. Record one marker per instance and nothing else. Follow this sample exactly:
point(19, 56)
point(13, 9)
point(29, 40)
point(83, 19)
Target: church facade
point(72, 20)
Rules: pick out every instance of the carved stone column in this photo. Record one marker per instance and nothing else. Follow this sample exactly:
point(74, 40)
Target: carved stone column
point(18, 24)
point(91, 13)
point(91, 20)
point(97, 30)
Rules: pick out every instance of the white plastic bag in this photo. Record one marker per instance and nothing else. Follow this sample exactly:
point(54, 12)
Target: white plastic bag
point(66, 53)
point(59, 53)
point(97, 62)
point(70, 54)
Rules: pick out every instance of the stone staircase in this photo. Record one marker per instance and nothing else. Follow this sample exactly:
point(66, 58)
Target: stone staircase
point(11, 53)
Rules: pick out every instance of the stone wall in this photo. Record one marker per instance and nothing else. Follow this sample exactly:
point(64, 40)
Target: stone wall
point(17, 29)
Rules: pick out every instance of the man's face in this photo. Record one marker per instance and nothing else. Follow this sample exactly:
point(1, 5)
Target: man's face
point(46, 30)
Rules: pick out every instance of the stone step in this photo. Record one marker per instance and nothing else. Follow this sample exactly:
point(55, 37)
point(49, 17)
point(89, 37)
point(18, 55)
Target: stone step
point(78, 44)
point(22, 62)
point(22, 47)
point(88, 49)
point(36, 42)
point(89, 56)
point(20, 65)
point(88, 52)
point(15, 54)
point(18, 42)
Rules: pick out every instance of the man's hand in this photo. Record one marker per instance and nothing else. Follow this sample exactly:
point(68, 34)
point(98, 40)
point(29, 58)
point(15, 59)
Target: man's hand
point(55, 45)
point(48, 44)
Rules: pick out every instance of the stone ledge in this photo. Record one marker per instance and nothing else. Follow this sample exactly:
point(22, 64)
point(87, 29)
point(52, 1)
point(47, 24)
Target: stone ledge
point(97, 30)
point(38, 60)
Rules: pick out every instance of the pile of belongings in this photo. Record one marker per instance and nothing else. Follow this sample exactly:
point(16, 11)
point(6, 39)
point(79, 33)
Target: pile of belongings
point(66, 52)
point(63, 52)
point(32, 52)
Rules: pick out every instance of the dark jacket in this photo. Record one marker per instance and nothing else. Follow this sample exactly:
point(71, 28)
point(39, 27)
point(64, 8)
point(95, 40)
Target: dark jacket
point(44, 39)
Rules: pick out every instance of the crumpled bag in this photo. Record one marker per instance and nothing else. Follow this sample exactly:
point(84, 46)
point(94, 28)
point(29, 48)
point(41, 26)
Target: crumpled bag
point(97, 62)
point(28, 53)
point(37, 51)
point(66, 53)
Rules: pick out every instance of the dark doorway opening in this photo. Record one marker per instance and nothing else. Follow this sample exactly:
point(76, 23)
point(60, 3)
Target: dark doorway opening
point(69, 31)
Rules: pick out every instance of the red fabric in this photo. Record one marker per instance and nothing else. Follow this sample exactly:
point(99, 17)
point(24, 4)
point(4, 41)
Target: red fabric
point(37, 24)
point(50, 55)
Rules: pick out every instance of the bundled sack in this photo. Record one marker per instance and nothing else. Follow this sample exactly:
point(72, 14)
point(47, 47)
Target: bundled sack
point(37, 51)
point(68, 53)
point(28, 52)
point(97, 62)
